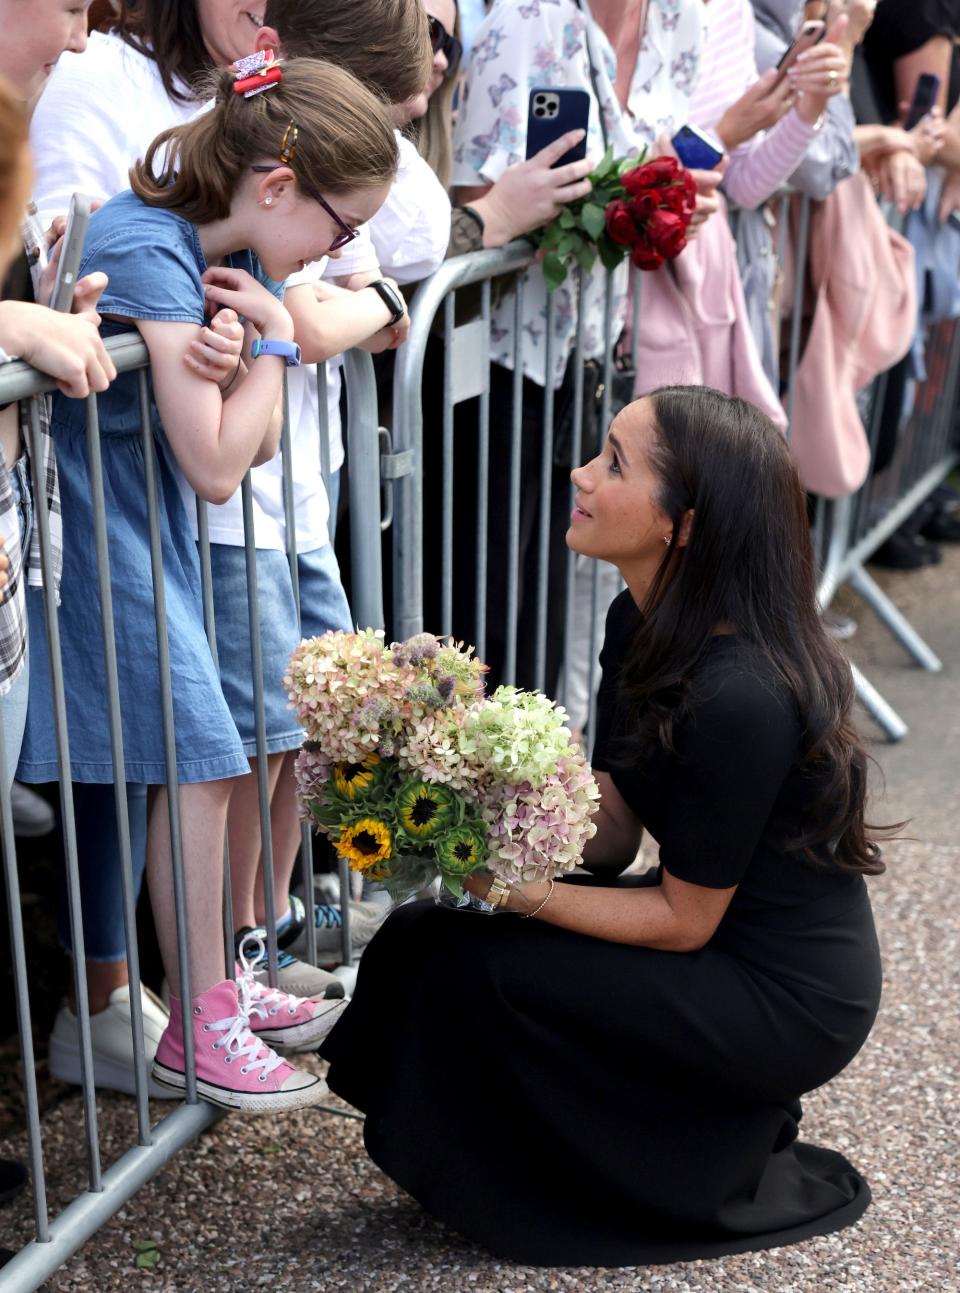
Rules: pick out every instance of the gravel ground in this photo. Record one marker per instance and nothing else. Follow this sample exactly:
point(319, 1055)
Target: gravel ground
point(295, 1205)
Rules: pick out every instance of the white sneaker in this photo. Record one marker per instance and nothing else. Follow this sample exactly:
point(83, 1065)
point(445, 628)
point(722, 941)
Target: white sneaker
point(112, 1043)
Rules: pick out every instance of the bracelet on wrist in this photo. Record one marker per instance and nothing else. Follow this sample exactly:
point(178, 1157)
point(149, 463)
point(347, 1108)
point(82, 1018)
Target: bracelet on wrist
point(528, 915)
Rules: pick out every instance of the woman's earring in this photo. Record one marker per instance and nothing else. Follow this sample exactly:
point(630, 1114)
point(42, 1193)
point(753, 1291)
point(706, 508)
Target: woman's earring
point(267, 201)
point(666, 539)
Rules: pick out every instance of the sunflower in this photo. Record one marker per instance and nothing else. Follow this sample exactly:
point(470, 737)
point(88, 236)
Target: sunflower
point(352, 779)
point(365, 844)
point(424, 809)
point(463, 850)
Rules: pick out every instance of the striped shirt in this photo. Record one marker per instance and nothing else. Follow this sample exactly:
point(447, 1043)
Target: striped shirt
point(760, 165)
point(43, 472)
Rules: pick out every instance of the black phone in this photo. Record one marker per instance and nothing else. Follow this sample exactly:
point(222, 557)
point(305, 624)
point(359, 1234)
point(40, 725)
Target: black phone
point(71, 253)
point(551, 113)
point(924, 99)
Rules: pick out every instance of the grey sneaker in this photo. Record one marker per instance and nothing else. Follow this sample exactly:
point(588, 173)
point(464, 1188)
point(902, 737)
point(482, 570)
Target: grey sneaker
point(299, 978)
point(32, 816)
point(365, 919)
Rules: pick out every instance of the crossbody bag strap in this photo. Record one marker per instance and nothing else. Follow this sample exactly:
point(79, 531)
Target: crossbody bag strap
point(592, 62)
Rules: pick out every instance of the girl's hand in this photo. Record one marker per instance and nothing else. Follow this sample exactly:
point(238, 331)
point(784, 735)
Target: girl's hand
point(215, 352)
point(241, 292)
point(529, 195)
point(758, 109)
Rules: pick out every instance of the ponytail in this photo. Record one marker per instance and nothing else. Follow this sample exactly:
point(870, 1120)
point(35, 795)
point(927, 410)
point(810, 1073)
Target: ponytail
point(344, 141)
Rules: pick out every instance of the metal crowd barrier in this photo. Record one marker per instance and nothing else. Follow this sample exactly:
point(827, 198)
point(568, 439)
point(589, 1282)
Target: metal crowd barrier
point(389, 464)
point(108, 1187)
point(845, 532)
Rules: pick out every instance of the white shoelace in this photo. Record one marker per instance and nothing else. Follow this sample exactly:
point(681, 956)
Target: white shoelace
point(240, 1042)
point(263, 1000)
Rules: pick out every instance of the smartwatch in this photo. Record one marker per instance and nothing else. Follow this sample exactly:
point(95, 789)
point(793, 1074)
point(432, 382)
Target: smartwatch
point(391, 298)
point(288, 350)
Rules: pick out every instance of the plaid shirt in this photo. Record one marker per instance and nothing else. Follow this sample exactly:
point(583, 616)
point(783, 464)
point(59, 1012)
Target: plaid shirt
point(43, 468)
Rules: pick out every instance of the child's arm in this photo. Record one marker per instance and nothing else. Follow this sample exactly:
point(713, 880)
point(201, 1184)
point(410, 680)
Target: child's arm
point(216, 438)
point(331, 320)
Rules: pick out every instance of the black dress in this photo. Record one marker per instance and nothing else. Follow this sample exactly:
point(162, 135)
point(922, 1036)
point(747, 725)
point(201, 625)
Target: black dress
point(564, 1100)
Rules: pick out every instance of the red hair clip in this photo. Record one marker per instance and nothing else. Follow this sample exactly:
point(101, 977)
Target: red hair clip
point(256, 73)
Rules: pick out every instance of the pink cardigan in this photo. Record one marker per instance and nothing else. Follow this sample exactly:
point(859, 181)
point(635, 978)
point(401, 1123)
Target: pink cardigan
point(694, 329)
point(864, 317)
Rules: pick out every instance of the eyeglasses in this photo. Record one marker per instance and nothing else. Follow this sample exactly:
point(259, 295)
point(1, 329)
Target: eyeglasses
point(347, 233)
point(441, 42)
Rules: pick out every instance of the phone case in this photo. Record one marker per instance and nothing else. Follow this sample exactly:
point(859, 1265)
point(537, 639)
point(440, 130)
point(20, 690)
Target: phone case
point(71, 253)
point(695, 150)
point(551, 113)
point(924, 97)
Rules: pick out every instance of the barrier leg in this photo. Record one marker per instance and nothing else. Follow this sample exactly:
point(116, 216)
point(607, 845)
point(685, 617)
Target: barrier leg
point(894, 620)
point(879, 710)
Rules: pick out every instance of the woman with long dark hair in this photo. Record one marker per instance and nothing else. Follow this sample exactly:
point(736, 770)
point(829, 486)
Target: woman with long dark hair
point(618, 1080)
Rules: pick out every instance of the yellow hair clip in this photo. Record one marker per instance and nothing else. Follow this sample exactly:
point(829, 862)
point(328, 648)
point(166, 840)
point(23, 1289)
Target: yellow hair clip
point(288, 146)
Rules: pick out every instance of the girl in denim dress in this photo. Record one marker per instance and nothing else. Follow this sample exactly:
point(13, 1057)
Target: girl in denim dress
point(222, 210)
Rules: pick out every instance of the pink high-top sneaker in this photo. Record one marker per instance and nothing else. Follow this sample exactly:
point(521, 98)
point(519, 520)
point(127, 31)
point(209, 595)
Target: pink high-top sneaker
point(290, 1023)
point(235, 1069)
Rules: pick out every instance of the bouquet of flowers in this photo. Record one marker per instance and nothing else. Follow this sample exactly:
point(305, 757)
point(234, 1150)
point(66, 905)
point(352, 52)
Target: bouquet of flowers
point(636, 208)
point(415, 774)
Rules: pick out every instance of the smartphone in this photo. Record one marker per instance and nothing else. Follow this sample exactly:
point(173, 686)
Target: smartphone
point(552, 111)
point(696, 149)
point(924, 99)
point(71, 251)
point(810, 34)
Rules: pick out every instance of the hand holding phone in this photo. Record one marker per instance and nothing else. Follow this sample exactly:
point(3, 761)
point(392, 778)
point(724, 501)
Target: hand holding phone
point(696, 149)
point(809, 35)
point(71, 253)
point(551, 113)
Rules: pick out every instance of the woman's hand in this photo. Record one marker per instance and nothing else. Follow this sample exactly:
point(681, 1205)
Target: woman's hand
point(761, 107)
point(240, 292)
point(215, 352)
point(927, 136)
point(708, 200)
point(68, 347)
point(898, 178)
point(821, 72)
point(529, 195)
point(522, 899)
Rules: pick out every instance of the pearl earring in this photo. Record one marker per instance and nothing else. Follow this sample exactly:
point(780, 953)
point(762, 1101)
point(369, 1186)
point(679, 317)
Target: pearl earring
point(267, 201)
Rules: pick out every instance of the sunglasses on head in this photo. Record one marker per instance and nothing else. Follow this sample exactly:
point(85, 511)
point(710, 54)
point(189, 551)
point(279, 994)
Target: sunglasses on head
point(341, 239)
point(441, 42)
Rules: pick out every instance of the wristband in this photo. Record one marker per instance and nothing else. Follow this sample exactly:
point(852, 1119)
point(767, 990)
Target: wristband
point(391, 299)
point(287, 350)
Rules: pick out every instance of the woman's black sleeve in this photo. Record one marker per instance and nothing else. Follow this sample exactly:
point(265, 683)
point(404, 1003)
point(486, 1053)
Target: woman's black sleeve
point(732, 758)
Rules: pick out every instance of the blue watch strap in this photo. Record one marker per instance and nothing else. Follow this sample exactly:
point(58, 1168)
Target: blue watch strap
point(288, 350)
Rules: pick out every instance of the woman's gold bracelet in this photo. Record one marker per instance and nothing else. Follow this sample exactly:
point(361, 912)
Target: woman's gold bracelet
point(527, 915)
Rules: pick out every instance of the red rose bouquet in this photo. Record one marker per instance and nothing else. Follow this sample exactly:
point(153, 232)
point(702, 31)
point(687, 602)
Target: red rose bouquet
point(637, 209)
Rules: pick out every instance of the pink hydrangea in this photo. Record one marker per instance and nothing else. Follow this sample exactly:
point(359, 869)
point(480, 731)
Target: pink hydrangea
point(348, 693)
point(539, 832)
